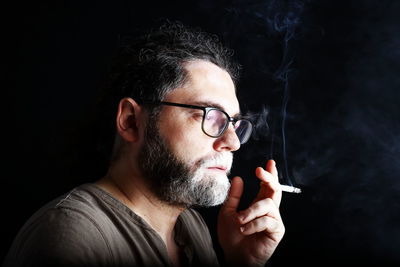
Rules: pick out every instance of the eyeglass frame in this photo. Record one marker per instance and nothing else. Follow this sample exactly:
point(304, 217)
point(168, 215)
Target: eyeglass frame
point(205, 111)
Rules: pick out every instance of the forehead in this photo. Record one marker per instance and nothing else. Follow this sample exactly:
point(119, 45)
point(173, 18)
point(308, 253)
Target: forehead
point(207, 83)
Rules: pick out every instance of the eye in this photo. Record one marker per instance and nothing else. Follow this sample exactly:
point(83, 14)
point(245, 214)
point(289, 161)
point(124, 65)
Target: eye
point(198, 115)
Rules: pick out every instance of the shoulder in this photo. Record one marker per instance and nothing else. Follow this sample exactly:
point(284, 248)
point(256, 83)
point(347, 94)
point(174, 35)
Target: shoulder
point(66, 231)
point(78, 212)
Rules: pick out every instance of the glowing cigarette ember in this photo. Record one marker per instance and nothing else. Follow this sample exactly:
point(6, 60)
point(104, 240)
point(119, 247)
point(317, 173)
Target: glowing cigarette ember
point(290, 189)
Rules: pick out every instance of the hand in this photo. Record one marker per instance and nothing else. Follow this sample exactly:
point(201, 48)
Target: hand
point(249, 237)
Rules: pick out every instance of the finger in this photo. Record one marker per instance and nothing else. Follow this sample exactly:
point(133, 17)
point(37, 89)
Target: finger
point(265, 223)
point(234, 195)
point(265, 176)
point(261, 208)
point(271, 168)
point(270, 187)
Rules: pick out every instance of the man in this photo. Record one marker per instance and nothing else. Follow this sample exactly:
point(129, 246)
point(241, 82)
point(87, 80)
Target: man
point(172, 105)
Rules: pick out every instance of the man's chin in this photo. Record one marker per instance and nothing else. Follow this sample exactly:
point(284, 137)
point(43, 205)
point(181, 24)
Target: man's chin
point(218, 190)
point(217, 200)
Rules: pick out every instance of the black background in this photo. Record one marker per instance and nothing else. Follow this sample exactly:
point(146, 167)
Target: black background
point(337, 64)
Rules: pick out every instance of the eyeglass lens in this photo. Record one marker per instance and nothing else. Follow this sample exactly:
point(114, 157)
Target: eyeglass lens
point(215, 122)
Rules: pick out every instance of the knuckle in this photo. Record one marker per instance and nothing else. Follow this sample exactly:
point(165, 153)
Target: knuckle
point(269, 201)
point(256, 206)
point(279, 227)
point(257, 223)
point(262, 223)
point(265, 204)
point(265, 220)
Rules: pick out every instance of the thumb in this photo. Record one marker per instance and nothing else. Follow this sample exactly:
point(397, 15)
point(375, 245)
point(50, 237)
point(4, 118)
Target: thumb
point(234, 195)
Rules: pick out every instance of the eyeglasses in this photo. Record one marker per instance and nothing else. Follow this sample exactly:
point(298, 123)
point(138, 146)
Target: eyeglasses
point(216, 121)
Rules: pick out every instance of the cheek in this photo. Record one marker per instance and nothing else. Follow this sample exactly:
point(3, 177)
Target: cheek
point(189, 143)
point(185, 137)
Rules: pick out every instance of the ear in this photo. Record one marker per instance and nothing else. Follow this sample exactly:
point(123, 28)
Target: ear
point(129, 119)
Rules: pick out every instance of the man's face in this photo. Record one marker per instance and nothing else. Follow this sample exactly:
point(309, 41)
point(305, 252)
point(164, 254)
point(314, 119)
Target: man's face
point(185, 166)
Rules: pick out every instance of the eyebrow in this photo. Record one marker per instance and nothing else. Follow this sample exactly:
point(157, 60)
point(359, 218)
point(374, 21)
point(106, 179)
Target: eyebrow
point(213, 105)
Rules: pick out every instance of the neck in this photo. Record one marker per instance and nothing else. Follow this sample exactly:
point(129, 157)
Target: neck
point(136, 195)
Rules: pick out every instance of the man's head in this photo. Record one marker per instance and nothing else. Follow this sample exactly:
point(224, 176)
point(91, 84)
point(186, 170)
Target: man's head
point(150, 65)
point(183, 159)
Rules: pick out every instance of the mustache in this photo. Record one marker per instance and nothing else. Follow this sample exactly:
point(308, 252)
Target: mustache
point(224, 159)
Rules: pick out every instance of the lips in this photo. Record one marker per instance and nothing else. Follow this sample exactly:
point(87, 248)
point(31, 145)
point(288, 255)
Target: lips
point(218, 168)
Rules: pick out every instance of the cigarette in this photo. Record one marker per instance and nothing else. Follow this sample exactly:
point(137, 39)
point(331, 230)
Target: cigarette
point(290, 189)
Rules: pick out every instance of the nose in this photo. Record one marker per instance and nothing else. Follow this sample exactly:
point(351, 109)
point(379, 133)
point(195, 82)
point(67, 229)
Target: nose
point(229, 141)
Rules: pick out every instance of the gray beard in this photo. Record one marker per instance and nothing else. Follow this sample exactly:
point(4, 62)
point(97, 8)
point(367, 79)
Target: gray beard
point(174, 181)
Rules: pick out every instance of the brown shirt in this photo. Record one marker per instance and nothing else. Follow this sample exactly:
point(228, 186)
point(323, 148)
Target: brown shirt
point(89, 227)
